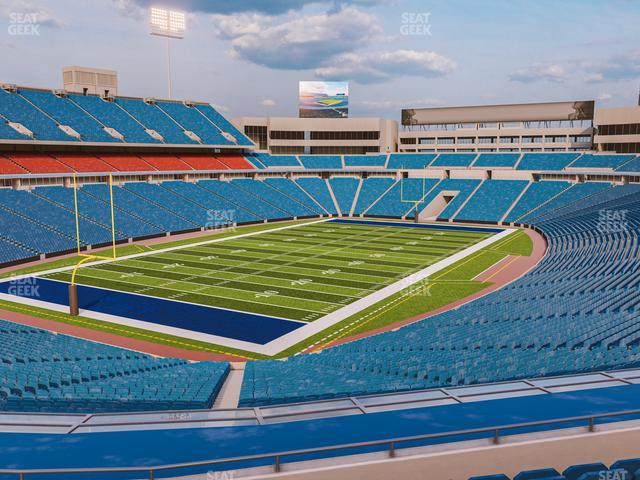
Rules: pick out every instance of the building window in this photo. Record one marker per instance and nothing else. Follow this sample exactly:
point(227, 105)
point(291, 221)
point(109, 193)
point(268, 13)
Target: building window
point(286, 135)
point(353, 135)
point(535, 139)
point(509, 139)
point(486, 140)
point(620, 147)
point(337, 150)
point(581, 138)
point(286, 150)
point(446, 141)
point(427, 141)
point(408, 140)
point(555, 139)
point(620, 129)
point(258, 134)
point(466, 140)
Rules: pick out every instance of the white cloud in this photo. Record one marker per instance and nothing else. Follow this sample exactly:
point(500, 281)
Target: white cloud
point(550, 72)
point(619, 67)
point(267, 7)
point(269, 103)
point(398, 104)
point(298, 42)
point(131, 9)
point(605, 97)
point(374, 67)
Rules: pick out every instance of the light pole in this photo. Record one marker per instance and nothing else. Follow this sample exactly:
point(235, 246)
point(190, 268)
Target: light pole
point(169, 24)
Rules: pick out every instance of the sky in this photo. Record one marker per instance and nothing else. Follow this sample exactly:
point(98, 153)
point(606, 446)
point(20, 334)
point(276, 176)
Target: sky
point(247, 56)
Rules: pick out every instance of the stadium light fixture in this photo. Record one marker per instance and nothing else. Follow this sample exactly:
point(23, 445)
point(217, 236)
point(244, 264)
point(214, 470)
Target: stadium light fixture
point(169, 24)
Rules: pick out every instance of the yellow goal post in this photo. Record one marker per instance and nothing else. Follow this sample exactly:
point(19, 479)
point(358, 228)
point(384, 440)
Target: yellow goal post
point(87, 257)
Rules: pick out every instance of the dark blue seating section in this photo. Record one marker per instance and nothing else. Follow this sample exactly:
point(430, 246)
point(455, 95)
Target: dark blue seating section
point(499, 160)
point(14, 108)
point(332, 162)
point(454, 160)
point(344, 190)
point(631, 166)
point(546, 161)
point(537, 194)
point(620, 470)
point(319, 190)
point(492, 200)
point(68, 113)
point(42, 112)
point(372, 189)
point(575, 312)
point(410, 160)
point(275, 160)
point(44, 372)
point(589, 160)
point(365, 160)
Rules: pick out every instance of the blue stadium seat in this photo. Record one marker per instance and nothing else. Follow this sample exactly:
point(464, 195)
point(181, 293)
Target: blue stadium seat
point(152, 117)
point(44, 372)
point(454, 160)
point(408, 161)
point(193, 120)
point(365, 160)
point(223, 124)
point(344, 189)
point(318, 189)
point(589, 160)
point(14, 108)
point(537, 194)
point(333, 162)
point(372, 188)
point(540, 474)
point(546, 161)
point(66, 112)
point(111, 114)
point(499, 160)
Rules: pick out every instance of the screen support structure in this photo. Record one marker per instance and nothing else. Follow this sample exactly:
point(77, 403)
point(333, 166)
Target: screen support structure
point(416, 202)
point(86, 257)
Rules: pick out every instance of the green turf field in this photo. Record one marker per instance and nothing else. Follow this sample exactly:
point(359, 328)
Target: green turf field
point(302, 273)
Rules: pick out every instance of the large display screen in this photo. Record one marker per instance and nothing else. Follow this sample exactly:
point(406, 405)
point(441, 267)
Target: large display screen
point(324, 99)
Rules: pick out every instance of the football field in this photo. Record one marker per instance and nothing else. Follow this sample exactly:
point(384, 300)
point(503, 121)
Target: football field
point(299, 274)
point(263, 291)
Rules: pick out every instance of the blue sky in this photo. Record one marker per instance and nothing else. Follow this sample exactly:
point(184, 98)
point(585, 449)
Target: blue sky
point(247, 56)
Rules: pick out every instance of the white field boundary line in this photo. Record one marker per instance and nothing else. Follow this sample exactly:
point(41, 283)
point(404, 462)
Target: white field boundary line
point(290, 339)
point(152, 327)
point(285, 341)
point(161, 250)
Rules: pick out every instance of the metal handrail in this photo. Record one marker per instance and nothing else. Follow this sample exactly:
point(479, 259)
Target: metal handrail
point(391, 443)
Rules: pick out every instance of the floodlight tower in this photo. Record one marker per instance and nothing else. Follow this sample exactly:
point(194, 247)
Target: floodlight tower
point(169, 24)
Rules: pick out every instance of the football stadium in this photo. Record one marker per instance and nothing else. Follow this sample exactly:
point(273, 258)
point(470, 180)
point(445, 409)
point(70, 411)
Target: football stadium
point(186, 292)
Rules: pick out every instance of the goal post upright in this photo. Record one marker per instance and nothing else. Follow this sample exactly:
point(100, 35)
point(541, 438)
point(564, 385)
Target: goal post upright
point(87, 257)
point(415, 202)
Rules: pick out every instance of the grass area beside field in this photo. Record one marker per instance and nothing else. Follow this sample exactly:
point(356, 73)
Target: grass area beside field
point(445, 287)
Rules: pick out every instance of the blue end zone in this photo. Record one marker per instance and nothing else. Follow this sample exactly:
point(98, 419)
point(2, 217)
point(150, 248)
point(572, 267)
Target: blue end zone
point(247, 327)
point(418, 225)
